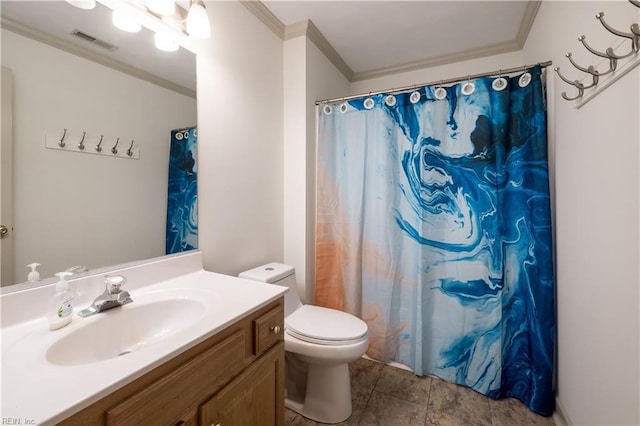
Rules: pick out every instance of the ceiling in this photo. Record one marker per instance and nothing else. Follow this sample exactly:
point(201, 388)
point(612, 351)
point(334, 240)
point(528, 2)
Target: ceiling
point(378, 37)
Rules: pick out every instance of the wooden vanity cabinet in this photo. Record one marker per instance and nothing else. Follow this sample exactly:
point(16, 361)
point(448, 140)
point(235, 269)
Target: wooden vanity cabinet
point(235, 377)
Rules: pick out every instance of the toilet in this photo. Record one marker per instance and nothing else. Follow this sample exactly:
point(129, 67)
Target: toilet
point(319, 344)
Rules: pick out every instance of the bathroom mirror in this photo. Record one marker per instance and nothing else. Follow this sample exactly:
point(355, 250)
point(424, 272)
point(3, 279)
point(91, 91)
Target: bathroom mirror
point(87, 208)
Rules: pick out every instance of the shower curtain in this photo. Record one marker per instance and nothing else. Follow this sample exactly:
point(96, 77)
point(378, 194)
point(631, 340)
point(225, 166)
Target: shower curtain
point(434, 226)
point(182, 204)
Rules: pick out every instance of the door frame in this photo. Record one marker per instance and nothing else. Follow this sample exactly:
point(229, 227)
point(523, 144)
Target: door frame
point(6, 178)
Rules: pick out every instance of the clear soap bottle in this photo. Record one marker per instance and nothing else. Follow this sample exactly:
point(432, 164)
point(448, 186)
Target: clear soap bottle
point(60, 310)
point(34, 275)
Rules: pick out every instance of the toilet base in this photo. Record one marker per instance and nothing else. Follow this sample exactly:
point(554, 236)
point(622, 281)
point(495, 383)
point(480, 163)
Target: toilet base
point(326, 395)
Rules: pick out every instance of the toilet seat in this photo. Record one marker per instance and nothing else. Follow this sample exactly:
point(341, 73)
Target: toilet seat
point(324, 326)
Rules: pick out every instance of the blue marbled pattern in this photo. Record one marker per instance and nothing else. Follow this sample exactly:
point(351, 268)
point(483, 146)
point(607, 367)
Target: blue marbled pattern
point(442, 212)
point(182, 205)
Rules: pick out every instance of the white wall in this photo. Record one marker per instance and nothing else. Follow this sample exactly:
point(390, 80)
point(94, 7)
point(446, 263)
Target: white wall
point(597, 213)
point(81, 209)
point(441, 72)
point(308, 76)
point(240, 148)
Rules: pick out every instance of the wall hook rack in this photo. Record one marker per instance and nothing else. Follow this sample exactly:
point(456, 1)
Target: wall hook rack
point(84, 138)
point(619, 64)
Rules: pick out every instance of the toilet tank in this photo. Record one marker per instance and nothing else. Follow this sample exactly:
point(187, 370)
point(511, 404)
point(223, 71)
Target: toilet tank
point(277, 274)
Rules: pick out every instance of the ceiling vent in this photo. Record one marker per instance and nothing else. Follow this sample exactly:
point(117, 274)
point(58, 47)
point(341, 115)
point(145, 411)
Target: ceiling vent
point(94, 41)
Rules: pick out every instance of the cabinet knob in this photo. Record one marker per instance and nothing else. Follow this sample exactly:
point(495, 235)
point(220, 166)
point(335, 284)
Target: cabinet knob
point(275, 329)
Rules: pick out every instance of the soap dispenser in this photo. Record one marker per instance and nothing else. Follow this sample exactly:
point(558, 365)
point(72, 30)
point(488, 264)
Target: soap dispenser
point(60, 310)
point(34, 275)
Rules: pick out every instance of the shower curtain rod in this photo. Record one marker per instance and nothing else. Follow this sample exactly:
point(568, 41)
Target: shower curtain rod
point(182, 128)
point(441, 82)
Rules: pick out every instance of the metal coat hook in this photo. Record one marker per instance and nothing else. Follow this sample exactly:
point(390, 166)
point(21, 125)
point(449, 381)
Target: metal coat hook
point(595, 75)
point(61, 142)
point(635, 39)
point(575, 84)
point(99, 147)
point(590, 69)
point(636, 3)
point(81, 144)
point(114, 150)
point(130, 150)
point(613, 61)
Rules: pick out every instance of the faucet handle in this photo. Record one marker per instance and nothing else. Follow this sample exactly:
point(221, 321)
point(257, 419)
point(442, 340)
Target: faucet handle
point(114, 283)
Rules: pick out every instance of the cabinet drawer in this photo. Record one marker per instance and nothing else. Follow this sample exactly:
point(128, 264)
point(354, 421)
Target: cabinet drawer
point(268, 329)
point(172, 396)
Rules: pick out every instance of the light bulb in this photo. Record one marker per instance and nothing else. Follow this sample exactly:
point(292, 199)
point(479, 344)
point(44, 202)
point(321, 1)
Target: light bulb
point(165, 42)
point(83, 4)
point(162, 7)
point(198, 21)
point(125, 22)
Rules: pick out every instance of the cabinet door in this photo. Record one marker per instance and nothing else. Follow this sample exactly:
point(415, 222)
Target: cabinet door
point(255, 397)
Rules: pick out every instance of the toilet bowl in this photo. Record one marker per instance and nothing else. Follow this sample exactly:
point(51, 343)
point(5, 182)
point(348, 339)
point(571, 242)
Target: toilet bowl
point(319, 344)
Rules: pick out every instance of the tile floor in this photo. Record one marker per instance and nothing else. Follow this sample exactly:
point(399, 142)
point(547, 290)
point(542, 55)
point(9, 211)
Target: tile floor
point(385, 395)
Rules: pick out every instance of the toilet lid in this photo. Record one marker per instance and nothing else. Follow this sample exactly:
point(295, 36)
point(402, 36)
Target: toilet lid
point(325, 326)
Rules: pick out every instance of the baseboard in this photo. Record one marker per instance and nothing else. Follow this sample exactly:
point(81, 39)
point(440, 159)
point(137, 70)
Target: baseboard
point(560, 416)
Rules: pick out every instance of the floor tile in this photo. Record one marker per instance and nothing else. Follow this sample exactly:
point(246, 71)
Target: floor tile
point(438, 418)
point(511, 412)
point(404, 384)
point(364, 376)
point(386, 410)
point(303, 421)
point(385, 395)
point(289, 416)
point(466, 404)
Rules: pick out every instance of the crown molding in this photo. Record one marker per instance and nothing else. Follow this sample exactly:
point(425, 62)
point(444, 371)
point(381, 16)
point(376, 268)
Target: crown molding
point(527, 21)
point(265, 16)
point(465, 55)
point(298, 29)
point(307, 28)
point(494, 49)
point(96, 57)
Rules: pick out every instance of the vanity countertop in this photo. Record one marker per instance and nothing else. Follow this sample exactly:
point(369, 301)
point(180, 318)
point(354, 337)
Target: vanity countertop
point(37, 391)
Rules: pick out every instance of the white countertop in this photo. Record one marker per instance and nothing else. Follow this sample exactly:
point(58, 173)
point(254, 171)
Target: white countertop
point(37, 391)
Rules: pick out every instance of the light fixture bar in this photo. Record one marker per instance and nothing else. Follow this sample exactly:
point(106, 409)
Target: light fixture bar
point(153, 22)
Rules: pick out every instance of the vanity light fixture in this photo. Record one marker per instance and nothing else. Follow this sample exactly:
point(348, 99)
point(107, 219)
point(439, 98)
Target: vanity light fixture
point(82, 4)
point(197, 20)
point(125, 21)
point(161, 7)
point(165, 42)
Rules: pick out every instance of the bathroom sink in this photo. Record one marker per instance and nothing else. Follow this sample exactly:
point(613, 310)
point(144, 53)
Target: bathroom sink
point(120, 331)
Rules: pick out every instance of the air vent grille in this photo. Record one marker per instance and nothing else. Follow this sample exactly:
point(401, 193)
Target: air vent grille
point(93, 40)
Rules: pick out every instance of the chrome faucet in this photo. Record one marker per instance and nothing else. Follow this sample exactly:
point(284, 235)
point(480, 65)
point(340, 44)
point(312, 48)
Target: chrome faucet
point(112, 297)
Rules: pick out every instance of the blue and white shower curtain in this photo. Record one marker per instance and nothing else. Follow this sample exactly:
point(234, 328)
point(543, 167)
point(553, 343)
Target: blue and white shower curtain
point(434, 226)
point(182, 205)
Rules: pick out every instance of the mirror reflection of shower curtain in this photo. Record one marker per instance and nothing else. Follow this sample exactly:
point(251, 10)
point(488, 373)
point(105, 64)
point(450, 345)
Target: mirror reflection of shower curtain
point(182, 203)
